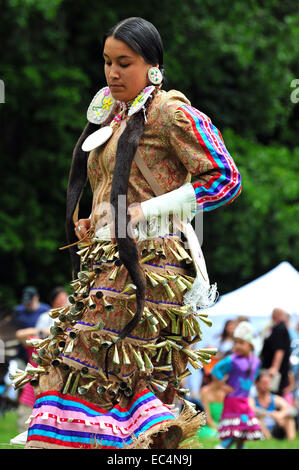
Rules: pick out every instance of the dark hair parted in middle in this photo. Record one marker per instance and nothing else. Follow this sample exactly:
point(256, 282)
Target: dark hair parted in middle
point(142, 37)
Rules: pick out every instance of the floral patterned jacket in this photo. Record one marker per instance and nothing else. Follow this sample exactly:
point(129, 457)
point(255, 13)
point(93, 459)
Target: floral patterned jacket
point(179, 143)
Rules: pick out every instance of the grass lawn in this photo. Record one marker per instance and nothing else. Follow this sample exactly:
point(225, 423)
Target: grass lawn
point(8, 430)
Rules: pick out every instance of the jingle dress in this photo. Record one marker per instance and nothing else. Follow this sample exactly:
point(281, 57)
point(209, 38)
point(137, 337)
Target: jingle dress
point(238, 420)
point(76, 405)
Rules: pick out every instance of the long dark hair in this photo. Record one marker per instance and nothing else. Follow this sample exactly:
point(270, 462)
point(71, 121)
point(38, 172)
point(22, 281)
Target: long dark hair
point(144, 39)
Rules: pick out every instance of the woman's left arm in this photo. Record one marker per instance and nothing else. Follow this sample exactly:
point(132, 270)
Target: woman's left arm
point(200, 147)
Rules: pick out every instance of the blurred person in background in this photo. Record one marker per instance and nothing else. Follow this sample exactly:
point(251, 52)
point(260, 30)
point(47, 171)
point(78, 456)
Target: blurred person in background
point(26, 314)
point(226, 339)
point(58, 298)
point(276, 351)
point(212, 398)
point(276, 415)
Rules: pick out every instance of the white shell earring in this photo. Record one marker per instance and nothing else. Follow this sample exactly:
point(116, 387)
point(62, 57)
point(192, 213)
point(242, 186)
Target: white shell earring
point(155, 76)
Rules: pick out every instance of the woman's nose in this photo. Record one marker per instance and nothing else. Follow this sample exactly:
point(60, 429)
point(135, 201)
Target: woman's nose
point(114, 71)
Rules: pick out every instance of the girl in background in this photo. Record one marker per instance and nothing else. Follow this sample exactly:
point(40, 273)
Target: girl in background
point(235, 375)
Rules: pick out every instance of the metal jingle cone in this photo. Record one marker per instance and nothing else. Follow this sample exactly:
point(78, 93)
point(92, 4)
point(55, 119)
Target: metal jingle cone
point(107, 305)
point(118, 262)
point(177, 256)
point(123, 385)
point(207, 321)
point(151, 246)
point(75, 384)
point(148, 258)
point(34, 381)
point(128, 392)
point(84, 388)
point(162, 253)
point(194, 364)
point(190, 354)
point(113, 274)
point(91, 303)
point(101, 390)
point(56, 362)
point(169, 357)
point(68, 382)
point(184, 375)
point(129, 288)
point(153, 328)
point(99, 294)
point(157, 359)
point(180, 285)
point(160, 386)
point(164, 368)
point(182, 252)
point(126, 359)
point(115, 358)
point(83, 275)
point(161, 279)
point(56, 330)
point(162, 322)
point(148, 363)
point(79, 306)
point(169, 291)
point(83, 250)
point(138, 358)
point(186, 282)
point(153, 281)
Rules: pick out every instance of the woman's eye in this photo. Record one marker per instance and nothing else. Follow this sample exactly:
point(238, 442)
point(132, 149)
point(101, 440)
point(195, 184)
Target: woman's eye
point(124, 65)
point(108, 63)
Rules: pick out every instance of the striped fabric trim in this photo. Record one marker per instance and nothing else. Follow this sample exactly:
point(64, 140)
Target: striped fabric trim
point(224, 186)
point(72, 422)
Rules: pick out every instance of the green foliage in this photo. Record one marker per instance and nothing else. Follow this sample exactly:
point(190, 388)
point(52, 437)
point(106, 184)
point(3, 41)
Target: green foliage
point(235, 61)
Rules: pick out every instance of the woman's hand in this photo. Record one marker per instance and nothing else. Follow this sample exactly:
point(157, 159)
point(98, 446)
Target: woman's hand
point(136, 213)
point(81, 228)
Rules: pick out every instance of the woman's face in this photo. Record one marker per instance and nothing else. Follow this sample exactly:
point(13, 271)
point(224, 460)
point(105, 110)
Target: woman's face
point(125, 70)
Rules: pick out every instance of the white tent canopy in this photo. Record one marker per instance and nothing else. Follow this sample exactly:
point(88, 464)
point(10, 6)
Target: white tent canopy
point(257, 299)
point(277, 288)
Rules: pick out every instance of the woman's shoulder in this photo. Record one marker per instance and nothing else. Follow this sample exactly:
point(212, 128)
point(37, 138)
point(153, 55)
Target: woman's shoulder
point(167, 103)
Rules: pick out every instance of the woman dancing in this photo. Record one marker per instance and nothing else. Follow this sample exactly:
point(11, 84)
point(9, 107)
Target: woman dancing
point(112, 366)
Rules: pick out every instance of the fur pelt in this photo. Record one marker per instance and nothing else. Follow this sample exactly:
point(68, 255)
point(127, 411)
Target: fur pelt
point(76, 183)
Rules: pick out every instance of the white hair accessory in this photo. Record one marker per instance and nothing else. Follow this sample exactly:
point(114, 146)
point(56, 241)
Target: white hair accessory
point(244, 331)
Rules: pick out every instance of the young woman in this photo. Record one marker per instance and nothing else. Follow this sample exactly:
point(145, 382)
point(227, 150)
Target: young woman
point(116, 357)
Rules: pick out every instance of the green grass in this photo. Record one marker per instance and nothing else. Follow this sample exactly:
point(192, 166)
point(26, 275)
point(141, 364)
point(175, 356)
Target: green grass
point(8, 430)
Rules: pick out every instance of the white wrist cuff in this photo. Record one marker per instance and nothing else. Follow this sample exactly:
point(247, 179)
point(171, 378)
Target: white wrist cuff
point(103, 233)
point(181, 201)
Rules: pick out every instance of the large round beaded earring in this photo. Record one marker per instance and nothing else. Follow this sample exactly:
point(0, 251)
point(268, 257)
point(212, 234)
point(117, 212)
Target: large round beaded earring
point(155, 76)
